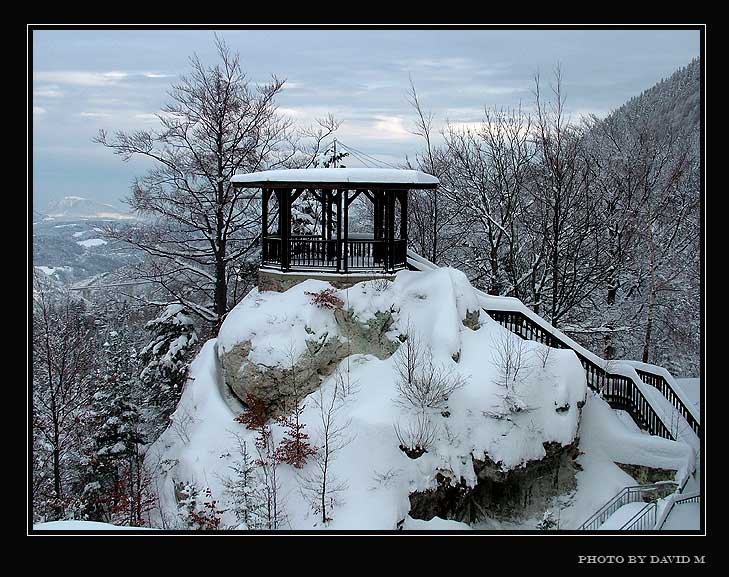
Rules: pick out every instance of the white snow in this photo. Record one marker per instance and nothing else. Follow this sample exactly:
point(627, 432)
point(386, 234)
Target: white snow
point(378, 474)
point(683, 517)
point(606, 440)
point(84, 526)
point(663, 408)
point(434, 524)
point(47, 269)
point(91, 242)
point(691, 387)
point(339, 176)
point(622, 516)
point(201, 444)
point(606, 434)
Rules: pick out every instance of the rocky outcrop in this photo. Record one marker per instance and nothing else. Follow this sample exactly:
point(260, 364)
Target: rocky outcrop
point(510, 495)
point(278, 387)
point(644, 475)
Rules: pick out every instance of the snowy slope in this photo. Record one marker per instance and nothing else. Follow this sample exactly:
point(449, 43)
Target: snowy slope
point(662, 407)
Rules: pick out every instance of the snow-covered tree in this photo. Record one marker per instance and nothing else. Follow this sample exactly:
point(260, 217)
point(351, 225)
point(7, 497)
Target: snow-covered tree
point(166, 359)
point(63, 357)
point(116, 487)
point(198, 509)
point(199, 227)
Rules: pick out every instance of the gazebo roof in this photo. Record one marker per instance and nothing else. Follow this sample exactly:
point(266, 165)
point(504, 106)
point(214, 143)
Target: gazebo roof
point(371, 178)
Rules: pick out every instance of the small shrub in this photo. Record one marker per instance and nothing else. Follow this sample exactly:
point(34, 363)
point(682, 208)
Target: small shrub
point(296, 447)
point(326, 299)
point(416, 437)
point(256, 416)
point(548, 522)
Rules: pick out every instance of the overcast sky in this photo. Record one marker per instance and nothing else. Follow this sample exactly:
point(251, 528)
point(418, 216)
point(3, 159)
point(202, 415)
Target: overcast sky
point(84, 80)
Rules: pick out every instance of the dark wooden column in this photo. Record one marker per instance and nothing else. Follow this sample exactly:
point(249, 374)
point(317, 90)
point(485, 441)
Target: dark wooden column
point(345, 226)
point(390, 228)
point(339, 230)
point(285, 209)
point(323, 215)
point(265, 195)
point(404, 214)
point(327, 229)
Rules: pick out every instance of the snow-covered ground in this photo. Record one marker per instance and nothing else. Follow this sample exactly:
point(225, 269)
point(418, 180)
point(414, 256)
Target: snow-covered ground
point(622, 516)
point(376, 476)
point(84, 526)
point(605, 439)
point(684, 517)
point(89, 242)
point(692, 388)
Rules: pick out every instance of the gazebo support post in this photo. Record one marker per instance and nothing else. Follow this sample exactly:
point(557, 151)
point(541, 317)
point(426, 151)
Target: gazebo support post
point(345, 243)
point(285, 213)
point(339, 230)
point(265, 195)
point(390, 231)
point(403, 215)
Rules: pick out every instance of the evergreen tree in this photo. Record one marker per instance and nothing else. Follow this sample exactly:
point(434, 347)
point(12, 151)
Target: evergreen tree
point(166, 360)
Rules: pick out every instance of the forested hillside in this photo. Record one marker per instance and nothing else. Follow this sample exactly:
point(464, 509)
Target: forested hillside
point(593, 223)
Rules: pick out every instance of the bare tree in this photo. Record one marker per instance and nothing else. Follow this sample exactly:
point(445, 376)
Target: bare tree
point(431, 216)
point(273, 511)
point(321, 487)
point(567, 222)
point(487, 171)
point(509, 355)
point(544, 354)
point(63, 354)
point(421, 383)
point(199, 228)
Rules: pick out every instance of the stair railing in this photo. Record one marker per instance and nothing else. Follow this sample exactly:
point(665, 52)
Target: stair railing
point(633, 494)
point(620, 391)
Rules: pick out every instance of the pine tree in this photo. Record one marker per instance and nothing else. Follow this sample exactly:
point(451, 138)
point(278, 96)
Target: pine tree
point(243, 489)
point(166, 359)
point(116, 487)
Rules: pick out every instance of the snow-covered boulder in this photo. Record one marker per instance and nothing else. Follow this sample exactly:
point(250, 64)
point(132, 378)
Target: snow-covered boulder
point(507, 404)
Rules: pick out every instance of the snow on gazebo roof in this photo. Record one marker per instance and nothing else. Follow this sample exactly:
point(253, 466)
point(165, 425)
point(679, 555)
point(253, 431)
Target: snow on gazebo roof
point(380, 178)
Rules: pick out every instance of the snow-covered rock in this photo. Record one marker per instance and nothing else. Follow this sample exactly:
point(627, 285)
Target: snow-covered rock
point(482, 420)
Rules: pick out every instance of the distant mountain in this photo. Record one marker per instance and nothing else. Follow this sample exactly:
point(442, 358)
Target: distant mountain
point(673, 103)
point(71, 250)
point(76, 207)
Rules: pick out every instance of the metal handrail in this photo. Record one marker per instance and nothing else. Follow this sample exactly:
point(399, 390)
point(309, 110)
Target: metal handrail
point(623, 497)
point(691, 498)
point(640, 518)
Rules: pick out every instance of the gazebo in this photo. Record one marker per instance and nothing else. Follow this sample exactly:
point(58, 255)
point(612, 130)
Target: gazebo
point(328, 248)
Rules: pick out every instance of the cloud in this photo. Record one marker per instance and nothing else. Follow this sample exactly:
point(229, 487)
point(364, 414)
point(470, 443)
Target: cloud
point(94, 114)
point(391, 127)
point(147, 117)
point(51, 91)
point(437, 63)
point(156, 75)
point(80, 78)
point(38, 110)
